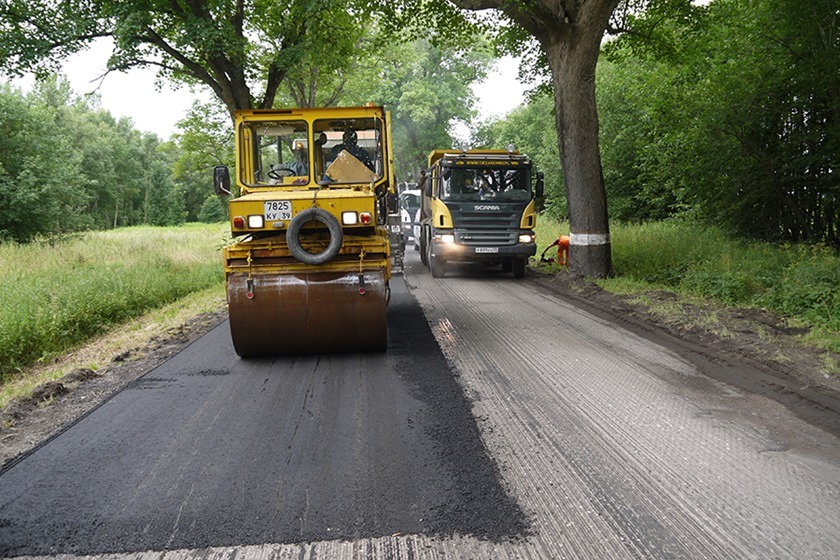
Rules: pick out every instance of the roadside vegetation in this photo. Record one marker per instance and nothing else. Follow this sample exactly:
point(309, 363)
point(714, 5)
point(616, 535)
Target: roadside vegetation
point(56, 295)
point(798, 282)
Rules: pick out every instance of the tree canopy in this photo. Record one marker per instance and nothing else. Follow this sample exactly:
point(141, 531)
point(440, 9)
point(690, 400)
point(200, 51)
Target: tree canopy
point(729, 116)
point(66, 165)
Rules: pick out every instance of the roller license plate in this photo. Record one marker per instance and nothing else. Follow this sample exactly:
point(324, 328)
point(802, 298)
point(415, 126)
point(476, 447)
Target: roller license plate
point(486, 249)
point(278, 210)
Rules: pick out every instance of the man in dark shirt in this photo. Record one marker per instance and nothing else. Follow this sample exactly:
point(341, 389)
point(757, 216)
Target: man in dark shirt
point(350, 143)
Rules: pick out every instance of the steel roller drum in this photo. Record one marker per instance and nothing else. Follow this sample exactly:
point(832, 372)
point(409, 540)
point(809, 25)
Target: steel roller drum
point(307, 313)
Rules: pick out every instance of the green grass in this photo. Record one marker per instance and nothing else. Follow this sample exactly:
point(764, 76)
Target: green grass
point(798, 282)
point(53, 296)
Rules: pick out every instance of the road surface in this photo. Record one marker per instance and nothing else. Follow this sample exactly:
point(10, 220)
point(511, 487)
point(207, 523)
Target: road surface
point(503, 422)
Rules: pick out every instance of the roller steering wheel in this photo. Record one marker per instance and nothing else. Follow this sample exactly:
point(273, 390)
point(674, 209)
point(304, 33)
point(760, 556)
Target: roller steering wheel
point(280, 172)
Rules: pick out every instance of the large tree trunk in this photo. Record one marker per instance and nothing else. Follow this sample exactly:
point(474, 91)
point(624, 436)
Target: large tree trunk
point(573, 71)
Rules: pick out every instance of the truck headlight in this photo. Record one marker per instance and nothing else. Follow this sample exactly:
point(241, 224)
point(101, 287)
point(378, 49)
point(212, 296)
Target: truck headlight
point(526, 238)
point(447, 238)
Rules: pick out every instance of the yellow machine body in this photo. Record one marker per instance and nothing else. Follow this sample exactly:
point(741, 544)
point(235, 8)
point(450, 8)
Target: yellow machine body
point(309, 270)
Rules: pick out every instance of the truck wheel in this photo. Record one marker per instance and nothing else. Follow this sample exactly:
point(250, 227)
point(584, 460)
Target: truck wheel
point(519, 267)
point(424, 257)
point(507, 265)
point(293, 236)
point(438, 266)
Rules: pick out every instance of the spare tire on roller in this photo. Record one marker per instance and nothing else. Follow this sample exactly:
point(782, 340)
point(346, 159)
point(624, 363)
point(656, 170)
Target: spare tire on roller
point(293, 236)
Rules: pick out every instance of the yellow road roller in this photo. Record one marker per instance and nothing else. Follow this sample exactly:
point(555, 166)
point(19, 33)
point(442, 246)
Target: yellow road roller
point(308, 271)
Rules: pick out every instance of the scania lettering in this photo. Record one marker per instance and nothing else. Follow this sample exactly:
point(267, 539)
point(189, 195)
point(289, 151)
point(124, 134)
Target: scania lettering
point(478, 206)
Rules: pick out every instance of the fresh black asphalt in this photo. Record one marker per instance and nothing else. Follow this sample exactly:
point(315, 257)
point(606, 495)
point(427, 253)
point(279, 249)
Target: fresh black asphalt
point(209, 450)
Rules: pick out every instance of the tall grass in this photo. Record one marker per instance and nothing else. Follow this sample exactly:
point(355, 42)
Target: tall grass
point(55, 295)
point(800, 282)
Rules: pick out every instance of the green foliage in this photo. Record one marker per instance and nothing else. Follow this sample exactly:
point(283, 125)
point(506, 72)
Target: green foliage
point(531, 129)
point(427, 88)
point(242, 51)
point(801, 282)
point(42, 184)
point(213, 210)
point(425, 84)
point(205, 140)
point(65, 167)
point(54, 296)
point(727, 113)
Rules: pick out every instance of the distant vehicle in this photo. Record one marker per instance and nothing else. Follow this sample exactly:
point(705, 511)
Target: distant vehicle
point(479, 206)
point(409, 206)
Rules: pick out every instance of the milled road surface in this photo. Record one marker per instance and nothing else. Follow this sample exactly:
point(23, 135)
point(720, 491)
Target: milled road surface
point(590, 443)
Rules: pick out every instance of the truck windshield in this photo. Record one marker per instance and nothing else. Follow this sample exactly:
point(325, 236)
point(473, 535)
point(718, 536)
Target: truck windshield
point(279, 151)
point(475, 184)
point(348, 150)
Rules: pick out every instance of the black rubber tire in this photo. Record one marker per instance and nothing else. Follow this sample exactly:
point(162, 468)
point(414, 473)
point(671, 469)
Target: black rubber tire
point(424, 255)
point(519, 267)
point(507, 264)
point(437, 266)
point(293, 236)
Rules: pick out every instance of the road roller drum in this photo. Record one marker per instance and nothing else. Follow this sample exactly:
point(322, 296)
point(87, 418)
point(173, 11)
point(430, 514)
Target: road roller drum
point(307, 313)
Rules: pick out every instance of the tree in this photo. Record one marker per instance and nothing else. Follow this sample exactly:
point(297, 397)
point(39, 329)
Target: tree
point(227, 45)
point(42, 187)
point(569, 33)
point(428, 89)
point(205, 140)
point(729, 113)
point(212, 210)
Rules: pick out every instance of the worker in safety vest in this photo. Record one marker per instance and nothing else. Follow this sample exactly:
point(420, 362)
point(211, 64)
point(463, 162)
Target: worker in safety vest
point(562, 244)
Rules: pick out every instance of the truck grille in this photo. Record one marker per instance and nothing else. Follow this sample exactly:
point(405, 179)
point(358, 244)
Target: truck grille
point(487, 228)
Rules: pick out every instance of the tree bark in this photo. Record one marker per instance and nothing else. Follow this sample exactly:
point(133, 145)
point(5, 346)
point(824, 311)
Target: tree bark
point(573, 74)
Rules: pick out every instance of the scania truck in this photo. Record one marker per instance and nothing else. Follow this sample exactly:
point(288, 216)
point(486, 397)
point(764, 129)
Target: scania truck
point(478, 206)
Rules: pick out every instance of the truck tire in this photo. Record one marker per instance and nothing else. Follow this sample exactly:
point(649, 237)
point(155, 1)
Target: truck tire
point(334, 228)
point(437, 266)
point(424, 257)
point(519, 267)
point(507, 264)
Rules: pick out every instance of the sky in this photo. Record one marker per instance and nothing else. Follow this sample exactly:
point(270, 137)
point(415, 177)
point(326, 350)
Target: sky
point(154, 109)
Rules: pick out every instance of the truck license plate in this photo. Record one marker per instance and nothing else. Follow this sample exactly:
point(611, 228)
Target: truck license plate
point(278, 210)
point(486, 249)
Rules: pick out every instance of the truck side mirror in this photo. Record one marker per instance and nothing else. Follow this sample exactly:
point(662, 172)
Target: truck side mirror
point(540, 185)
point(221, 179)
point(423, 183)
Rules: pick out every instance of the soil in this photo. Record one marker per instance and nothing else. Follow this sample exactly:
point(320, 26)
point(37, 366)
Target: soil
point(777, 363)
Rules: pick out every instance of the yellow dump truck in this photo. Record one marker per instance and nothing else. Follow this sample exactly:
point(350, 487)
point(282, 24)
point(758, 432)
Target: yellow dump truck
point(478, 206)
point(309, 269)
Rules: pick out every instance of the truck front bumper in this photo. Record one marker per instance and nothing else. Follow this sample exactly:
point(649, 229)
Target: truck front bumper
point(475, 253)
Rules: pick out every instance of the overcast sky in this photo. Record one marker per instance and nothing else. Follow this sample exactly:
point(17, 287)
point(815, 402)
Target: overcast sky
point(133, 94)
